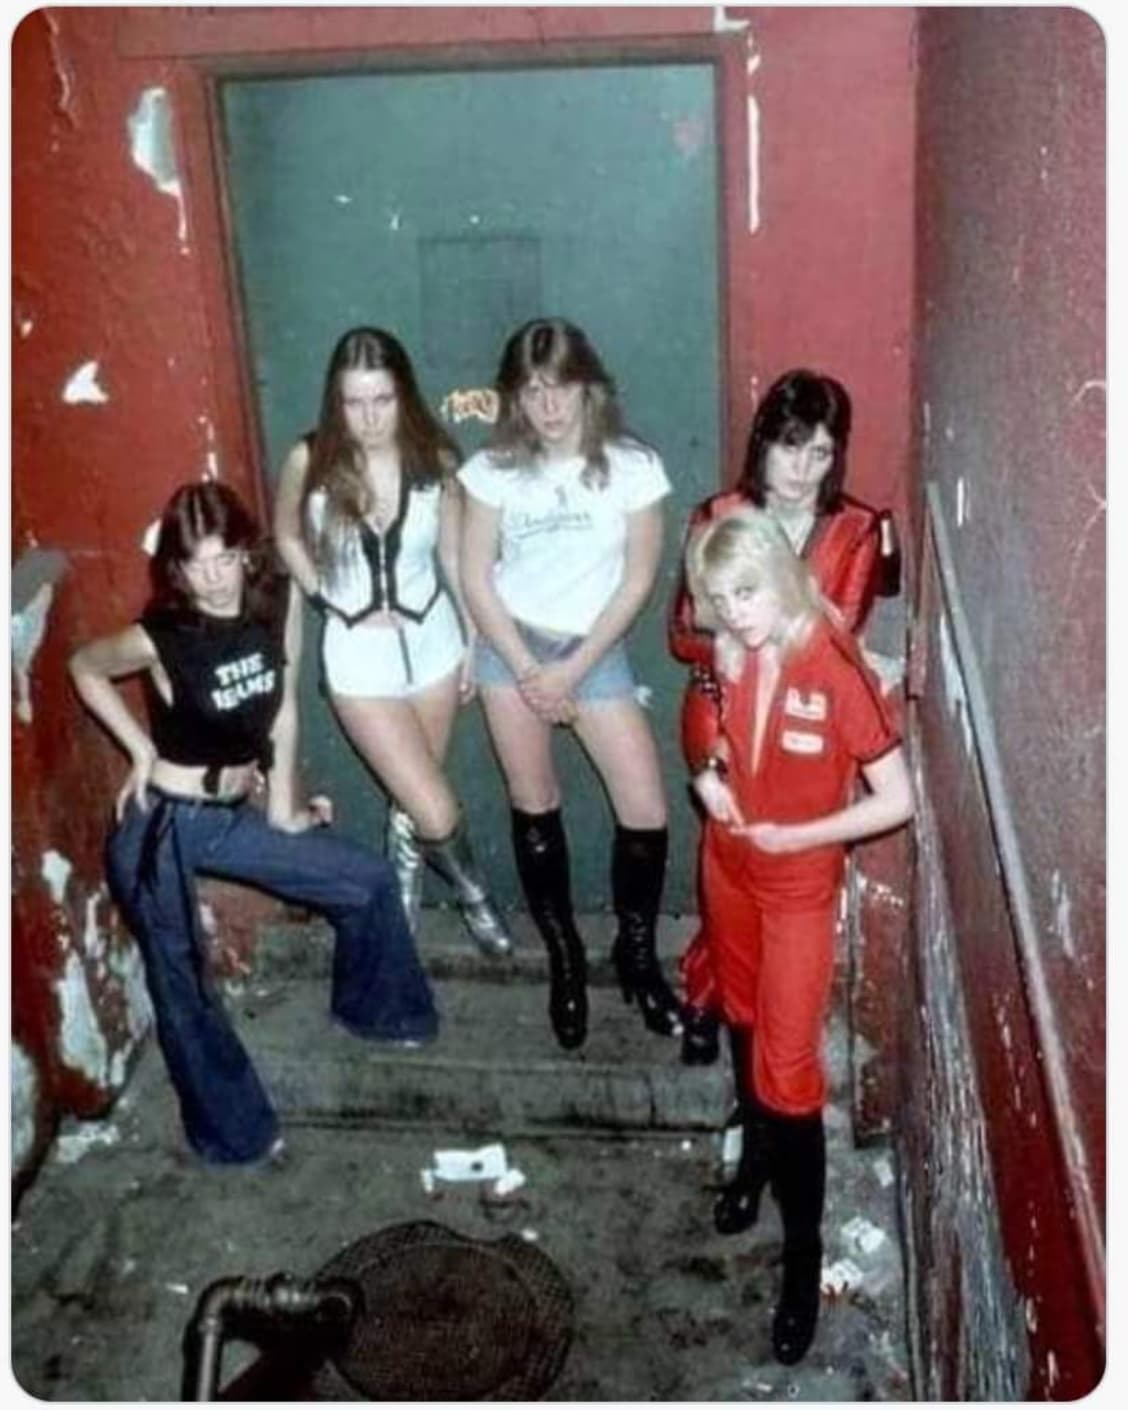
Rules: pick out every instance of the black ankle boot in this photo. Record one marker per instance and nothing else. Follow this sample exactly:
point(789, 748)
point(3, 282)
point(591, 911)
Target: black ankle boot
point(541, 851)
point(638, 868)
point(737, 1207)
point(700, 1036)
point(800, 1186)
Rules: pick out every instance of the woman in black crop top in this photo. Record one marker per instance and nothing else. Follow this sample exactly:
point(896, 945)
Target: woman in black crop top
point(219, 644)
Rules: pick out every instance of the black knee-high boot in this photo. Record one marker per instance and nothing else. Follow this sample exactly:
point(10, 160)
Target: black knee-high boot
point(540, 847)
point(638, 869)
point(799, 1182)
point(737, 1207)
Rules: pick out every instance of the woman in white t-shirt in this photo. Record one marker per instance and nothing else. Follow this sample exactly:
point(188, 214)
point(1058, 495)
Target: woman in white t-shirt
point(562, 534)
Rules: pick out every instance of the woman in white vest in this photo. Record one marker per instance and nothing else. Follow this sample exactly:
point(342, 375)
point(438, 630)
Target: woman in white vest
point(562, 535)
point(367, 515)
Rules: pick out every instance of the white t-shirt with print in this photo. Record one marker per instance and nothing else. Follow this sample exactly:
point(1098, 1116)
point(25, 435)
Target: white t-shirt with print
point(561, 542)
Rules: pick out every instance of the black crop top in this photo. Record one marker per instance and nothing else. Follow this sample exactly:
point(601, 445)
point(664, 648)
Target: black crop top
point(226, 676)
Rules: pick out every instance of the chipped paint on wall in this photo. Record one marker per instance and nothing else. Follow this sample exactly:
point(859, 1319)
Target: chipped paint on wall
point(28, 628)
point(1063, 913)
point(55, 870)
point(23, 1085)
point(82, 1044)
point(81, 1137)
point(151, 146)
point(724, 24)
point(93, 938)
point(128, 968)
point(83, 386)
point(954, 691)
point(753, 164)
point(150, 536)
point(961, 502)
point(64, 71)
point(211, 457)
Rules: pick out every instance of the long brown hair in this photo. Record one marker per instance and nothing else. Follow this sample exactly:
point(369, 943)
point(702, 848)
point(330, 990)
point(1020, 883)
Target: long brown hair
point(557, 349)
point(336, 463)
point(210, 510)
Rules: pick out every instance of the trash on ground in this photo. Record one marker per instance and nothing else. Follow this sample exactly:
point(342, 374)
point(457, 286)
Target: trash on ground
point(73, 1145)
point(485, 1163)
point(883, 1169)
point(863, 1236)
point(841, 1277)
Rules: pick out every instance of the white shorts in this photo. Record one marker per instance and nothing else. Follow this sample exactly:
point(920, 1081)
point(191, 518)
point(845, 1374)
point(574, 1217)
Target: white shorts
point(392, 661)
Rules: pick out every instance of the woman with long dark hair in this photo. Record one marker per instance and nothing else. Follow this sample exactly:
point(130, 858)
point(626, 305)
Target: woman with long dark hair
point(219, 646)
point(367, 519)
point(794, 469)
point(561, 545)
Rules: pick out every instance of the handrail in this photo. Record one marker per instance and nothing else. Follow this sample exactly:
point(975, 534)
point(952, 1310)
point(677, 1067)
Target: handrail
point(1013, 871)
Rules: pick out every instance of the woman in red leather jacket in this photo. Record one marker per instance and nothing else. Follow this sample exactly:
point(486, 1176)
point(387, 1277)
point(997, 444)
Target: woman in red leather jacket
point(794, 467)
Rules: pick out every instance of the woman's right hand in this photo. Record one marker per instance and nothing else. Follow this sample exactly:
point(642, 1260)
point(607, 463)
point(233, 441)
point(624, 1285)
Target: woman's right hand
point(140, 776)
point(546, 695)
point(718, 799)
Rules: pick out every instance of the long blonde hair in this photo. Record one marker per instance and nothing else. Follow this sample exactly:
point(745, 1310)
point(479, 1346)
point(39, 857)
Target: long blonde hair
point(749, 547)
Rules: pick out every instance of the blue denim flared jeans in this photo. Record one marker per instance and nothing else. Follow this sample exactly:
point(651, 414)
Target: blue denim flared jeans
point(379, 989)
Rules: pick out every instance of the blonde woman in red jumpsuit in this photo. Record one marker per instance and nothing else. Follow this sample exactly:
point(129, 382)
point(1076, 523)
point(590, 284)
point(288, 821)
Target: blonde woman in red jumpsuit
point(794, 467)
point(797, 715)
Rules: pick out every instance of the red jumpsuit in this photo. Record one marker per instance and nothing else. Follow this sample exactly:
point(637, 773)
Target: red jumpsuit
point(770, 917)
point(842, 551)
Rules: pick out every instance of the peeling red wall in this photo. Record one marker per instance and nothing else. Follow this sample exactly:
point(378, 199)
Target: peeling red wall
point(108, 268)
point(1010, 406)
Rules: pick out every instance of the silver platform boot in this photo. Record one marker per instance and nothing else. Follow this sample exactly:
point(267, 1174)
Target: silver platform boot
point(401, 847)
point(453, 859)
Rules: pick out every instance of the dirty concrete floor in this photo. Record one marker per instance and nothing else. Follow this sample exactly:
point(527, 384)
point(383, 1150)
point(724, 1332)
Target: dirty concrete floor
point(123, 1229)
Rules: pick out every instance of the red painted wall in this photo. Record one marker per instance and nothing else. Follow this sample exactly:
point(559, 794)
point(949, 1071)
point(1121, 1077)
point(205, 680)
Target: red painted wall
point(109, 268)
point(1010, 405)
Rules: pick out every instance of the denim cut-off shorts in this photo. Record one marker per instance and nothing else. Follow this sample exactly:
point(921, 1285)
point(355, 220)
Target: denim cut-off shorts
point(611, 678)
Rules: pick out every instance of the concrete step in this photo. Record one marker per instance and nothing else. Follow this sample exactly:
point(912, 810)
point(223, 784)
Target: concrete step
point(495, 1065)
point(301, 947)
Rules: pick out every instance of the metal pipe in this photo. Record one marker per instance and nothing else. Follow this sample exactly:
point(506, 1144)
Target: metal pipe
point(1061, 1101)
point(331, 1304)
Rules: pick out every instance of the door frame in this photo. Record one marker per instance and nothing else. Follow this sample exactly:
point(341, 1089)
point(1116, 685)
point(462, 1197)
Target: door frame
point(197, 92)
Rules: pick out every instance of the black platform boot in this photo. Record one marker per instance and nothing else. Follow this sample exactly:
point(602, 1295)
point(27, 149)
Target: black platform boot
point(737, 1207)
point(541, 851)
point(700, 1036)
point(453, 859)
point(638, 869)
point(799, 1182)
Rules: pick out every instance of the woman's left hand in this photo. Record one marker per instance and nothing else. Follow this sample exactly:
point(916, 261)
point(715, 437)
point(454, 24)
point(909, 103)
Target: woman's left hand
point(548, 690)
point(318, 812)
point(772, 837)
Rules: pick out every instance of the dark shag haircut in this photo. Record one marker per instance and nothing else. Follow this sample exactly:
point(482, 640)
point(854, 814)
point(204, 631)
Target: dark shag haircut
point(336, 463)
point(561, 352)
point(210, 510)
point(793, 409)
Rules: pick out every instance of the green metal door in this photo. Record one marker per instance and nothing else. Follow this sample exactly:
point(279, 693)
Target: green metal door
point(448, 208)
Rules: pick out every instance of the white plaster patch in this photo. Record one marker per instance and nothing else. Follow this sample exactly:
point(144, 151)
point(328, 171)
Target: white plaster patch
point(151, 146)
point(343, 200)
point(93, 938)
point(27, 629)
point(128, 968)
point(23, 1084)
point(150, 536)
point(722, 24)
point(208, 922)
point(1063, 913)
point(211, 458)
point(753, 164)
point(73, 1145)
point(961, 502)
point(1094, 384)
point(25, 326)
point(954, 686)
point(394, 223)
point(83, 386)
point(83, 1046)
point(55, 871)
